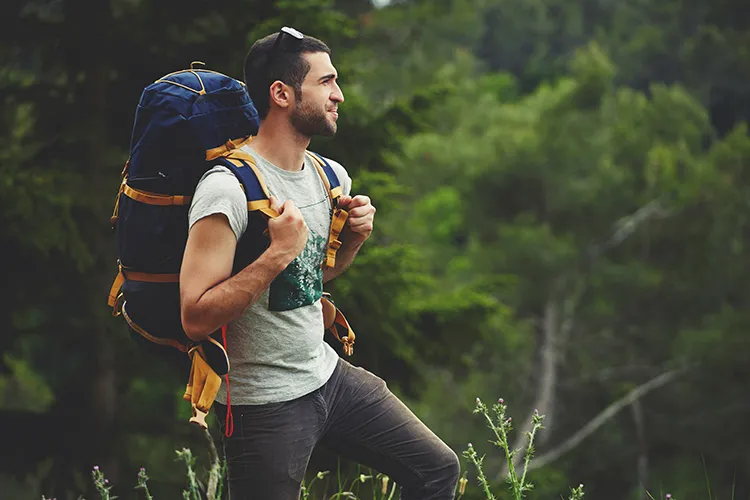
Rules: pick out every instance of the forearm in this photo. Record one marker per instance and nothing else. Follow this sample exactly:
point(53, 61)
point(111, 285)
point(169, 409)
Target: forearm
point(227, 300)
point(344, 256)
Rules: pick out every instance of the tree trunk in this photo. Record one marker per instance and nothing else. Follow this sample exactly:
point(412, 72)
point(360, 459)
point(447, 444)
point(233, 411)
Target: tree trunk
point(642, 449)
point(87, 49)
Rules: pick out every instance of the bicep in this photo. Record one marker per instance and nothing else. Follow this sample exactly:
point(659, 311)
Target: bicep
point(208, 258)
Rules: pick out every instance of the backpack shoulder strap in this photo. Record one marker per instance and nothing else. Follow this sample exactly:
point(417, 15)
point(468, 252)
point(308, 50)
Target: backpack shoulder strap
point(242, 165)
point(338, 216)
point(329, 177)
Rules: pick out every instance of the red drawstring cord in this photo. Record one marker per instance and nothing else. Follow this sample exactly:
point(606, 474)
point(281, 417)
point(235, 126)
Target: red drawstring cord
point(229, 423)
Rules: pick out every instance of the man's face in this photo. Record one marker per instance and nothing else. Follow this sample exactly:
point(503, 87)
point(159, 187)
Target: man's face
point(317, 110)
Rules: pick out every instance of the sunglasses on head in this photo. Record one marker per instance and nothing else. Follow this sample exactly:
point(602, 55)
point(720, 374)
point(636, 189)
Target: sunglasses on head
point(277, 43)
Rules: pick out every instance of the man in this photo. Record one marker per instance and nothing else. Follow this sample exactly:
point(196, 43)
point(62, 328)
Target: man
point(288, 389)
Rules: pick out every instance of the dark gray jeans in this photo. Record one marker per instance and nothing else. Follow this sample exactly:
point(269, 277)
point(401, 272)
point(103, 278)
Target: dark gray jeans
point(353, 414)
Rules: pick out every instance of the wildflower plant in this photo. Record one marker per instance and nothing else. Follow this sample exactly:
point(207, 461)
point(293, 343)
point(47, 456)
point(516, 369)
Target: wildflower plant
point(193, 491)
point(501, 425)
point(306, 488)
point(384, 487)
point(142, 483)
point(101, 484)
point(577, 493)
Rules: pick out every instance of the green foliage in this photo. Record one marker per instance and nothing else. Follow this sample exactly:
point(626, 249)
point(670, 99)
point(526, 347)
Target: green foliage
point(23, 388)
point(545, 166)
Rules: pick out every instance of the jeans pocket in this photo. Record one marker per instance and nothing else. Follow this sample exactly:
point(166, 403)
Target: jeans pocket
point(255, 412)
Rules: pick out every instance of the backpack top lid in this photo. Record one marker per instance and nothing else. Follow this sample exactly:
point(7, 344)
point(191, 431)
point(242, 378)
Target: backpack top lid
point(182, 115)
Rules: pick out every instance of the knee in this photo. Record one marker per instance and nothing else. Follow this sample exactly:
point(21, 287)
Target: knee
point(450, 465)
point(447, 469)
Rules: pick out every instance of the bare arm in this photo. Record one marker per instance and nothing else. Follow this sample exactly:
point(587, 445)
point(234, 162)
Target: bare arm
point(358, 228)
point(210, 296)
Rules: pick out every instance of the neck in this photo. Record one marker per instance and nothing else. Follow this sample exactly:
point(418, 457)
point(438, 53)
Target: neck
point(278, 142)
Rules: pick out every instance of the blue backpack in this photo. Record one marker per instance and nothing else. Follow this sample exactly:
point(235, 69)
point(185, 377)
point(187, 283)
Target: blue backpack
point(185, 123)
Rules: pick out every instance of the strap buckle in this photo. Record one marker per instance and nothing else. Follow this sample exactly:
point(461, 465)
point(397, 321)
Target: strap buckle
point(117, 307)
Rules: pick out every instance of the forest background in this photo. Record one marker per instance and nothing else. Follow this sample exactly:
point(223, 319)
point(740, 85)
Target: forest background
point(563, 194)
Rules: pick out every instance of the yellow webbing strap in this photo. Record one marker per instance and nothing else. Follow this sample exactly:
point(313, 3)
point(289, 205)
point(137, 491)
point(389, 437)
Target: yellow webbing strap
point(337, 225)
point(156, 340)
point(339, 215)
point(332, 319)
point(202, 387)
point(332, 193)
point(263, 206)
point(151, 277)
point(230, 145)
point(116, 211)
point(114, 291)
point(319, 167)
point(235, 156)
point(154, 198)
point(122, 274)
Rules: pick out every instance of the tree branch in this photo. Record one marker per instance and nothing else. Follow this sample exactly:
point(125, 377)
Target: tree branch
point(629, 224)
point(605, 415)
point(558, 325)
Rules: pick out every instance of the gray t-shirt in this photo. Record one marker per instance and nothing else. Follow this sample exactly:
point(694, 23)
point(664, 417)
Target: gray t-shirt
point(276, 348)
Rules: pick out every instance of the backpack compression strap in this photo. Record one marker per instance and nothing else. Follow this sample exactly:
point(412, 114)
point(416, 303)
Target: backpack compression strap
point(115, 295)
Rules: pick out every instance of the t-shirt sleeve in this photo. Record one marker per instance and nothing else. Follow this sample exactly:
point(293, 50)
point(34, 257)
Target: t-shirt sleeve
point(341, 173)
point(219, 192)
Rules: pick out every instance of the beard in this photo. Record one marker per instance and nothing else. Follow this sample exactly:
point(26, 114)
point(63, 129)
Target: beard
point(310, 121)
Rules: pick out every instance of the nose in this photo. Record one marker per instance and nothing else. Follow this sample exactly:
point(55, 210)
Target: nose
point(337, 95)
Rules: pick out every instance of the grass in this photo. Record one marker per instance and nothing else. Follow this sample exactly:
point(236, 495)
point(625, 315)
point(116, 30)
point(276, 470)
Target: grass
point(380, 486)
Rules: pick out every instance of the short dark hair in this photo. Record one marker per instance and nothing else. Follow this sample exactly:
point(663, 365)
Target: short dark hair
point(287, 65)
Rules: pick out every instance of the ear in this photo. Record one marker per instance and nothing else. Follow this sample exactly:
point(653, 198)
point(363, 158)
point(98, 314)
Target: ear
point(281, 94)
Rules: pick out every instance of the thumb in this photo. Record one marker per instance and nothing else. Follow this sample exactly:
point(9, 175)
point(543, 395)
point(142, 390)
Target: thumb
point(275, 205)
point(344, 201)
point(288, 204)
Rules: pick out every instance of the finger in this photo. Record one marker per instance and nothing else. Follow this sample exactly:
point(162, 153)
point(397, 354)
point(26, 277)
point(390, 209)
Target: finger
point(359, 201)
point(366, 230)
point(289, 208)
point(366, 211)
point(361, 225)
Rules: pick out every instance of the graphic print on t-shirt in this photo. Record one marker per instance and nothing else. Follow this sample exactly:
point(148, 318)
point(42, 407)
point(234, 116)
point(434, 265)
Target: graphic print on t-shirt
point(301, 283)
